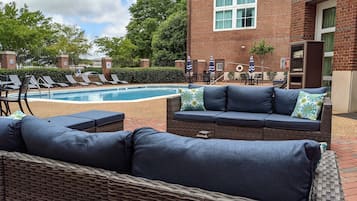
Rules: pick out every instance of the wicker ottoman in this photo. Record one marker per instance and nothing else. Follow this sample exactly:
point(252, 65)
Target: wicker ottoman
point(105, 121)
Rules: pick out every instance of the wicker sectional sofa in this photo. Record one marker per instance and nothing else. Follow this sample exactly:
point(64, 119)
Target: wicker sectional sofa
point(263, 113)
point(42, 161)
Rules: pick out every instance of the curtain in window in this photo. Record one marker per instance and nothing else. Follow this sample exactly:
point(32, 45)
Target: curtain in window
point(329, 17)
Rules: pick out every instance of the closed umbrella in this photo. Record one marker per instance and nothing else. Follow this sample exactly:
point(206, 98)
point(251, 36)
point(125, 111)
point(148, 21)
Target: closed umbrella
point(251, 69)
point(211, 69)
point(189, 68)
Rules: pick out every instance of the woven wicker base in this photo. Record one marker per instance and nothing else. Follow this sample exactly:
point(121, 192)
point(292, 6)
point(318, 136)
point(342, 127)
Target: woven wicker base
point(238, 133)
point(189, 129)
point(115, 126)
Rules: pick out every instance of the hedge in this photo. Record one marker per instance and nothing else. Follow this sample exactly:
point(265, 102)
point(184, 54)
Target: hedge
point(56, 74)
point(150, 75)
point(132, 75)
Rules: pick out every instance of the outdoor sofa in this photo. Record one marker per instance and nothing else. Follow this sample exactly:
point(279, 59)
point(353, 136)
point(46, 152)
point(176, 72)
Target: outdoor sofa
point(127, 166)
point(249, 113)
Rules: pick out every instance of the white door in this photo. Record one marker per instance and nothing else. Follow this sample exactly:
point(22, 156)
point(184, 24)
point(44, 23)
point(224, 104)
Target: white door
point(325, 31)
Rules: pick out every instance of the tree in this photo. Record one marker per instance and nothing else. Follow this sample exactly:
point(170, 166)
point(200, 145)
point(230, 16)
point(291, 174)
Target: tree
point(169, 41)
point(122, 50)
point(25, 32)
point(147, 15)
point(261, 49)
point(68, 40)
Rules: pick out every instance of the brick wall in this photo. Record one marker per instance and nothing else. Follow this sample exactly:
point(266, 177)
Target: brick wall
point(302, 21)
point(345, 50)
point(273, 25)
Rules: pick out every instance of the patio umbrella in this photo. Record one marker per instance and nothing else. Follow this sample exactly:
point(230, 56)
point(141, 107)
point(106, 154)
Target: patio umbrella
point(211, 65)
point(251, 68)
point(189, 64)
point(189, 68)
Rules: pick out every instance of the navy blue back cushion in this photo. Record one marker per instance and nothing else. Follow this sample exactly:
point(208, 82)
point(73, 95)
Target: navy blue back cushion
point(10, 135)
point(250, 99)
point(214, 97)
point(111, 151)
point(262, 170)
point(285, 99)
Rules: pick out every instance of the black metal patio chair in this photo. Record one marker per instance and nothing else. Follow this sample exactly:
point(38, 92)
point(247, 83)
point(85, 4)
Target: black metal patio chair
point(22, 95)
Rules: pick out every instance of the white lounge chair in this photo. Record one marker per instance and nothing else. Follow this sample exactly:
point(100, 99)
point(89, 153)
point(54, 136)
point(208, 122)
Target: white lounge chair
point(104, 80)
point(87, 80)
point(116, 79)
point(50, 81)
point(72, 81)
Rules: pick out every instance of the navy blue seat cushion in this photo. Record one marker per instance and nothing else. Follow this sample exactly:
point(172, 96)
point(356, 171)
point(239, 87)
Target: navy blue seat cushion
point(250, 99)
point(10, 135)
point(247, 119)
point(111, 150)
point(280, 121)
point(214, 97)
point(101, 117)
point(72, 122)
point(262, 170)
point(205, 116)
point(285, 99)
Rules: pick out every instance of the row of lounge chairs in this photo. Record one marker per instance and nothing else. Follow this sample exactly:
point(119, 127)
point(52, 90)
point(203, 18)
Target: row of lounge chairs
point(48, 82)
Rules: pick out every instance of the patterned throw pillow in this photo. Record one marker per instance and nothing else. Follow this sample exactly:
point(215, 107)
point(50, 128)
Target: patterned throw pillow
point(192, 99)
point(308, 106)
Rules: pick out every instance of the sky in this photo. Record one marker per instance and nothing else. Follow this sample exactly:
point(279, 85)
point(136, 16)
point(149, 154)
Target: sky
point(98, 18)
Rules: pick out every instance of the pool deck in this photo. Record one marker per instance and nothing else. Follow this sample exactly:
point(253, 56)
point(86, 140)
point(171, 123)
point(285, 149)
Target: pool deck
point(152, 113)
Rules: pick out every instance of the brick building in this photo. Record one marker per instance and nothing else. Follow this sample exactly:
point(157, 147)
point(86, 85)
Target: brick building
point(227, 29)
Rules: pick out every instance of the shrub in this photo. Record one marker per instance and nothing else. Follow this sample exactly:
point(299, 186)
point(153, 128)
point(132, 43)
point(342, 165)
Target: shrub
point(56, 74)
point(150, 75)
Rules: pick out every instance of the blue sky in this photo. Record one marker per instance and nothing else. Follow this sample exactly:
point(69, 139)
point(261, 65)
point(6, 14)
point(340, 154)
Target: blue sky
point(97, 18)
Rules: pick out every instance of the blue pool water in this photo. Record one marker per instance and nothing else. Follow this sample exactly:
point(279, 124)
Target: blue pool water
point(114, 94)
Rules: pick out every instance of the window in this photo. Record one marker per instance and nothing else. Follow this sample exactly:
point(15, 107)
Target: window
point(234, 14)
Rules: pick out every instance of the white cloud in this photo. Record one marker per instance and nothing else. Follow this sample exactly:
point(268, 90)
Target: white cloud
point(113, 13)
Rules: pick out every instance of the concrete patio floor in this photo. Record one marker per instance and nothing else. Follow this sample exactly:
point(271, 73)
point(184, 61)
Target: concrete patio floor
point(153, 114)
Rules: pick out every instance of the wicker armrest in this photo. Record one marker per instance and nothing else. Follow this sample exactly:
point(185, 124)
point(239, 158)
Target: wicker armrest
point(30, 177)
point(326, 120)
point(327, 182)
point(173, 105)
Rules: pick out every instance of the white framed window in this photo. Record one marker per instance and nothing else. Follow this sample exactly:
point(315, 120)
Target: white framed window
point(234, 14)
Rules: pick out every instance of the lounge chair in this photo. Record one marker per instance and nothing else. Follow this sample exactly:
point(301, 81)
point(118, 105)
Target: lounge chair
point(72, 81)
point(104, 80)
point(34, 84)
point(116, 79)
point(49, 80)
point(87, 80)
point(17, 83)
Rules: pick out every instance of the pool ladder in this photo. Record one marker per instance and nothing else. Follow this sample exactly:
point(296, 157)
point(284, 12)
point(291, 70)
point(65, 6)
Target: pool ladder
point(39, 88)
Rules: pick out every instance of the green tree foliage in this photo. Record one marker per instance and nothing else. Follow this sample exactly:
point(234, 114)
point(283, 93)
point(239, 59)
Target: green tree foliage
point(68, 40)
point(147, 15)
point(121, 50)
point(25, 32)
point(261, 49)
point(35, 38)
point(169, 41)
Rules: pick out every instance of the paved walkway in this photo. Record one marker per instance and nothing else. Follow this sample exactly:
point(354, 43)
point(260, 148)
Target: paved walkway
point(153, 114)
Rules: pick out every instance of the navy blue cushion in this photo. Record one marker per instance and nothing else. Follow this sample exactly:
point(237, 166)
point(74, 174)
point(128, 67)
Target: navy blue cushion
point(109, 150)
point(214, 97)
point(10, 135)
point(101, 117)
point(250, 99)
point(206, 116)
point(242, 119)
point(262, 170)
point(290, 123)
point(285, 99)
point(72, 122)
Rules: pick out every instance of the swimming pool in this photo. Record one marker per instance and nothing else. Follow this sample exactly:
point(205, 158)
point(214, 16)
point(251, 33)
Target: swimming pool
point(136, 93)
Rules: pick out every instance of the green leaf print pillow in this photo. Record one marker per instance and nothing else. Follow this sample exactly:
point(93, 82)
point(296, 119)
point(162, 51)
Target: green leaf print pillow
point(192, 99)
point(308, 106)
